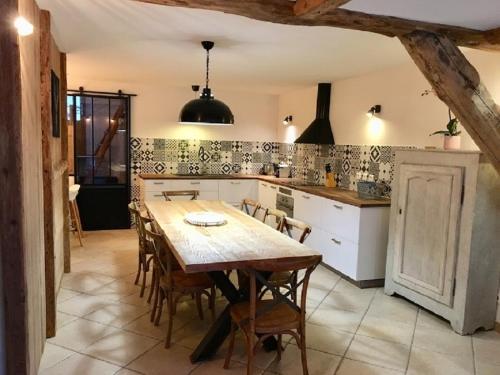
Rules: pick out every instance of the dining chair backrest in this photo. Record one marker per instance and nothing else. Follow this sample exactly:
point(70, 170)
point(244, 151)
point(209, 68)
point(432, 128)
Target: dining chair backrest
point(300, 281)
point(193, 194)
point(249, 206)
point(163, 256)
point(135, 214)
point(278, 216)
point(290, 224)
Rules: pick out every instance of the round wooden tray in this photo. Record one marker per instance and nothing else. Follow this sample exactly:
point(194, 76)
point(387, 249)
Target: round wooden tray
point(205, 219)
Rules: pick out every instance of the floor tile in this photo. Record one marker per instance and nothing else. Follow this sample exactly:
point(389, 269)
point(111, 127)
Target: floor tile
point(344, 286)
point(62, 319)
point(136, 299)
point(393, 308)
point(116, 290)
point(326, 339)
point(189, 334)
point(318, 363)
point(120, 347)
point(429, 320)
point(215, 367)
point(83, 304)
point(81, 333)
point(445, 342)
point(85, 281)
point(350, 367)
point(346, 321)
point(379, 353)
point(79, 364)
point(424, 362)
point(487, 369)
point(126, 371)
point(386, 329)
point(118, 314)
point(157, 360)
point(53, 354)
point(487, 347)
point(348, 301)
point(65, 294)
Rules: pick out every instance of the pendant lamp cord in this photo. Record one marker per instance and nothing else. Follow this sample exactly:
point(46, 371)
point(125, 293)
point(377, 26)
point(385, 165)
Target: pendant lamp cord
point(208, 63)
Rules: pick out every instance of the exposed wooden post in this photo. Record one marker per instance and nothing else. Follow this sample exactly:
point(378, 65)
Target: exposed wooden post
point(48, 196)
point(64, 153)
point(315, 7)
point(12, 241)
point(459, 86)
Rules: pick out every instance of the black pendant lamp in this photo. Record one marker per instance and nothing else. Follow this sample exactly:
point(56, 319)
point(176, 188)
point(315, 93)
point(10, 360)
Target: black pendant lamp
point(206, 110)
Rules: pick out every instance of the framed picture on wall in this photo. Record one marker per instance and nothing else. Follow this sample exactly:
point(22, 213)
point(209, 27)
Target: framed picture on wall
point(55, 105)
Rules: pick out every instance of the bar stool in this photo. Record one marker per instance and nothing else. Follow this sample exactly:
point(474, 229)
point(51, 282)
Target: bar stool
point(75, 223)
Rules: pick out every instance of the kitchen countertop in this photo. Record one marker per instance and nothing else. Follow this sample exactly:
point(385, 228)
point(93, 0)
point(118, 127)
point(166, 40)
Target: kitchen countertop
point(338, 194)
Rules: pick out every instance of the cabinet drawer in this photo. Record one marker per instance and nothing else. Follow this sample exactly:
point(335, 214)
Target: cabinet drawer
point(342, 255)
point(307, 207)
point(208, 196)
point(153, 196)
point(201, 185)
point(233, 191)
point(156, 185)
point(340, 218)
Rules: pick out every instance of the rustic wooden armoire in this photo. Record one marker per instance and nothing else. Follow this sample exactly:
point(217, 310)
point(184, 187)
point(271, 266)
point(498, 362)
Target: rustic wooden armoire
point(444, 237)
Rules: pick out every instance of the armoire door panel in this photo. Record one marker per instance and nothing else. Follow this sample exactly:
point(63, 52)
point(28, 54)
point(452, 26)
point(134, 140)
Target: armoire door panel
point(425, 242)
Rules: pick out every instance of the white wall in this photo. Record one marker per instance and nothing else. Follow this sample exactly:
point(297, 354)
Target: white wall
point(407, 118)
point(156, 108)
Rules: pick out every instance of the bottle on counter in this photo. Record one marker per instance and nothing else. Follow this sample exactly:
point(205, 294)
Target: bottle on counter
point(329, 176)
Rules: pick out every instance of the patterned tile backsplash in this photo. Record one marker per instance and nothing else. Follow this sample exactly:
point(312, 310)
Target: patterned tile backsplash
point(167, 156)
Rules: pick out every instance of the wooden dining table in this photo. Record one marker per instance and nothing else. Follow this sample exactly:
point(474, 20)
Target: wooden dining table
point(242, 242)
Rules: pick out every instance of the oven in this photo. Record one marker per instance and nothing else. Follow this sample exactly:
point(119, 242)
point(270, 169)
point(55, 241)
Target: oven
point(284, 201)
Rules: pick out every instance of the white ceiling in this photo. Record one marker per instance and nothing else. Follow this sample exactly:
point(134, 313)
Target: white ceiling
point(123, 40)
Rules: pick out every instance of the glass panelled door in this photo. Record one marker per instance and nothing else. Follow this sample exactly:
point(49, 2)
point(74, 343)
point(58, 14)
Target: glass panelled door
point(101, 158)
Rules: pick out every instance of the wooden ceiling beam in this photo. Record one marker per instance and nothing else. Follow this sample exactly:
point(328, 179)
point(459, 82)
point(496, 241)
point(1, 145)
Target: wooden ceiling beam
point(313, 8)
point(282, 12)
point(457, 83)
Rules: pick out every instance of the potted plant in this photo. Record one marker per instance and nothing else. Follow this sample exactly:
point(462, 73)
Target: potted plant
point(451, 134)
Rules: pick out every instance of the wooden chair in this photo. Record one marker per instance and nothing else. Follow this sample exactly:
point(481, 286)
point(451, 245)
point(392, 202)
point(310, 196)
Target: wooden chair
point(172, 283)
point(145, 246)
point(278, 215)
point(250, 207)
point(286, 279)
point(277, 316)
point(75, 221)
point(181, 193)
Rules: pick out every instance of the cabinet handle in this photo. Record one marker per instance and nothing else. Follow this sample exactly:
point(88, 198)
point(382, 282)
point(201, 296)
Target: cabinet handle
point(338, 207)
point(264, 185)
point(157, 183)
point(235, 183)
point(273, 187)
point(337, 241)
point(157, 195)
point(306, 197)
point(195, 183)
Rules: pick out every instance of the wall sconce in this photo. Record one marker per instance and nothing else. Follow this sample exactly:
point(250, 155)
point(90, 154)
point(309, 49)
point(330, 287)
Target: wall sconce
point(288, 120)
point(23, 26)
point(377, 108)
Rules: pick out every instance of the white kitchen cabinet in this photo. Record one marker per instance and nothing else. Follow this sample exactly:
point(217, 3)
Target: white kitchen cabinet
point(337, 217)
point(307, 207)
point(234, 191)
point(201, 185)
point(443, 251)
point(267, 194)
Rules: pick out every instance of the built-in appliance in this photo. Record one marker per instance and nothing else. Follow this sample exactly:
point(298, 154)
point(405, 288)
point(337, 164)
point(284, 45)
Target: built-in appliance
point(284, 201)
point(320, 130)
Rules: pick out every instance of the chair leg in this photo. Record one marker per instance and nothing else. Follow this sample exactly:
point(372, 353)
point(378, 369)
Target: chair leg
point(139, 269)
point(280, 348)
point(230, 348)
point(198, 305)
point(155, 301)
point(160, 306)
point(250, 353)
point(303, 353)
point(78, 220)
point(144, 268)
point(153, 285)
point(75, 223)
point(170, 302)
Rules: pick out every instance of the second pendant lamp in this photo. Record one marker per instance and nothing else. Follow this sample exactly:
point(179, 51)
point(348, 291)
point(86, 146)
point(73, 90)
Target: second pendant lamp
point(206, 110)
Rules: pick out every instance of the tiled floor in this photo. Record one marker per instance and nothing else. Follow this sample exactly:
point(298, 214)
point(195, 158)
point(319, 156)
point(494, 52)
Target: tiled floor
point(104, 328)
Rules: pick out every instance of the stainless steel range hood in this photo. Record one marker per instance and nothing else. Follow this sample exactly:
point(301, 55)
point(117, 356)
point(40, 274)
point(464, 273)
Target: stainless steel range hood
point(320, 130)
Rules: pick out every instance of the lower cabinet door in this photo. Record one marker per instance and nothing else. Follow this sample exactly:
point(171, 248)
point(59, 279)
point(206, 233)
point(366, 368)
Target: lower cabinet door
point(208, 196)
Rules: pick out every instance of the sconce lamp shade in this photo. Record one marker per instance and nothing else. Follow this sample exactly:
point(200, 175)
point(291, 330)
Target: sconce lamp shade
point(377, 108)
